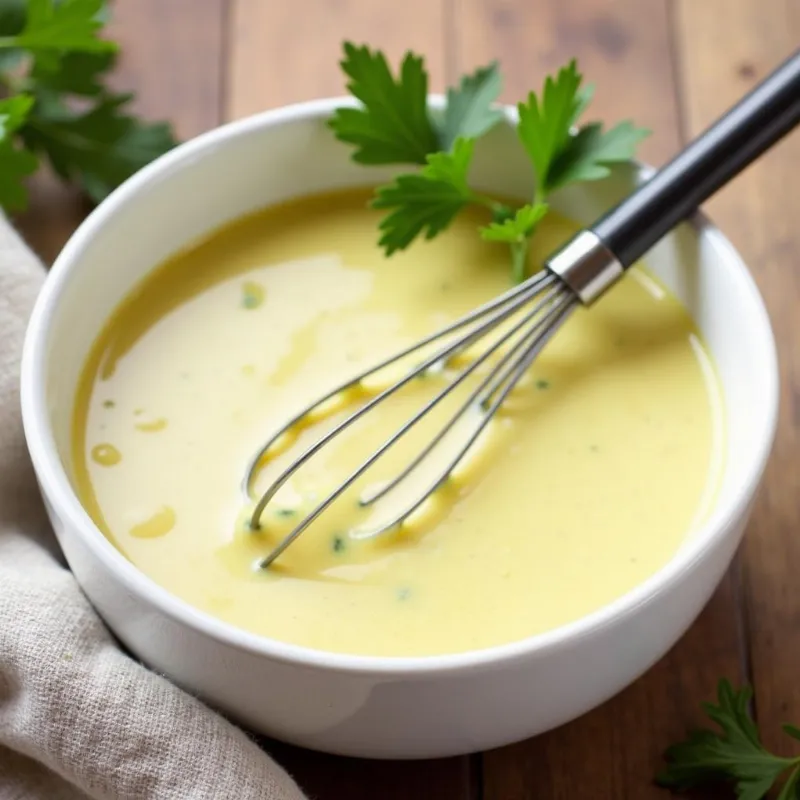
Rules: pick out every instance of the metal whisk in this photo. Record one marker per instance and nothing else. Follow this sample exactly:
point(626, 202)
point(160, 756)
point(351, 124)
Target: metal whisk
point(579, 273)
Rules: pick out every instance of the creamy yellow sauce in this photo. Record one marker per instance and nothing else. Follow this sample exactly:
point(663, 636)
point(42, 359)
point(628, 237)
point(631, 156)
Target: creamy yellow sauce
point(586, 483)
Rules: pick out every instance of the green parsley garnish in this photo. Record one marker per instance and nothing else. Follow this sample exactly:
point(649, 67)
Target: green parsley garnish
point(393, 125)
point(733, 755)
point(55, 105)
point(428, 200)
point(469, 110)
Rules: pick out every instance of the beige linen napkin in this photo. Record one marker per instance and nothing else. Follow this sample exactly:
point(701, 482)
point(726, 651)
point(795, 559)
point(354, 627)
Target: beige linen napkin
point(78, 718)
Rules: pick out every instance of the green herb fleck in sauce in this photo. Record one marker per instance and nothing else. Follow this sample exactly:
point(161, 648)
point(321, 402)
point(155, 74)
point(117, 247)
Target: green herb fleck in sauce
point(339, 545)
point(542, 384)
point(252, 294)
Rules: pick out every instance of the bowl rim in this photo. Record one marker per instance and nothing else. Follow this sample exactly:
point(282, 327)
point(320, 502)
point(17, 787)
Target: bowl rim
point(58, 490)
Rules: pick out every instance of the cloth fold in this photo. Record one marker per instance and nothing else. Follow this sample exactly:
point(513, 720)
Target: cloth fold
point(78, 718)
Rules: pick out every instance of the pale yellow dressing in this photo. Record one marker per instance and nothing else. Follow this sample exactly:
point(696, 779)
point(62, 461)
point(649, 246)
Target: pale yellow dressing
point(588, 481)
point(160, 524)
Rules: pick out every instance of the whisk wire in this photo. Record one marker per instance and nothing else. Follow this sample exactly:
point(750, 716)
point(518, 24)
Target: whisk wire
point(557, 300)
point(518, 299)
point(533, 285)
point(495, 375)
point(515, 371)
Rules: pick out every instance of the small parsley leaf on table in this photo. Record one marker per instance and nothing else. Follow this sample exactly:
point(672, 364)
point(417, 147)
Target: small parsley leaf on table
point(12, 17)
point(78, 74)
point(733, 754)
point(12, 21)
point(65, 25)
point(53, 67)
point(13, 113)
point(792, 730)
point(15, 162)
point(98, 148)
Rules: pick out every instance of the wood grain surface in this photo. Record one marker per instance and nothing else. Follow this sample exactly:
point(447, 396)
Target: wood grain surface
point(278, 56)
point(672, 65)
point(760, 212)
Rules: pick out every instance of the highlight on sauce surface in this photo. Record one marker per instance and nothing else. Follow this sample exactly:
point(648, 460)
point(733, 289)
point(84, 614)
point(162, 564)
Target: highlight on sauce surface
point(598, 466)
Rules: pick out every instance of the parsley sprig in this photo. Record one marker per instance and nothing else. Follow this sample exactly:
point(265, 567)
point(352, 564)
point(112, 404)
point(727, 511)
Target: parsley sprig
point(734, 754)
point(392, 124)
point(55, 105)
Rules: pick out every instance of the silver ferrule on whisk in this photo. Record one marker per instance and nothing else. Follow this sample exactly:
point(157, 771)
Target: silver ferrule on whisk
point(587, 266)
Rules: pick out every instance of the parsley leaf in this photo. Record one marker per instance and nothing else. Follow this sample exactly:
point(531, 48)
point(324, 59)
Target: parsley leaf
point(79, 74)
point(50, 56)
point(15, 163)
point(584, 96)
point(98, 148)
point(516, 228)
point(13, 113)
point(469, 111)
point(428, 201)
point(452, 167)
point(393, 126)
point(12, 17)
point(734, 754)
point(559, 156)
point(791, 789)
point(544, 123)
point(516, 231)
point(12, 21)
point(589, 154)
point(64, 25)
point(792, 730)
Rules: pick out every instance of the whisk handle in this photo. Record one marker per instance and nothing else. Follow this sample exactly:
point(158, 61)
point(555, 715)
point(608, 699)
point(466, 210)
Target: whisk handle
point(753, 125)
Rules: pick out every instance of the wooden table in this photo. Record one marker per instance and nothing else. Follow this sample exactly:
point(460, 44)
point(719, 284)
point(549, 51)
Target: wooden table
point(672, 65)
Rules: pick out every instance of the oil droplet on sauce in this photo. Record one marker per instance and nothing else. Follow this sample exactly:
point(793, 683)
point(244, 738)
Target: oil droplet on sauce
point(159, 524)
point(153, 426)
point(106, 455)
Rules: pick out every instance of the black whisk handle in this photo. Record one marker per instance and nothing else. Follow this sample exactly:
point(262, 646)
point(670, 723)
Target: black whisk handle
point(752, 126)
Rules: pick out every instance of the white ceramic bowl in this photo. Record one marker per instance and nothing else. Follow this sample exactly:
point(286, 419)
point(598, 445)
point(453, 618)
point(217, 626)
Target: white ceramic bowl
point(368, 706)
